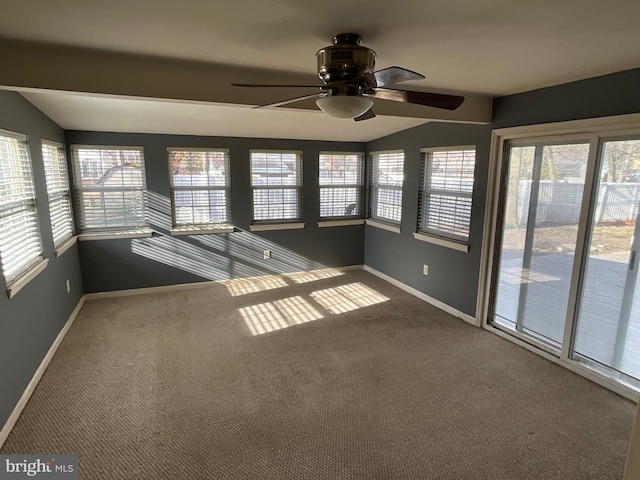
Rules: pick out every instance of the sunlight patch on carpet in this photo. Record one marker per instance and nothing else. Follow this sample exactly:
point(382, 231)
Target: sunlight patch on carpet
point(243, 286)
point(271, 316)
point(313, 275)
point(346, 298)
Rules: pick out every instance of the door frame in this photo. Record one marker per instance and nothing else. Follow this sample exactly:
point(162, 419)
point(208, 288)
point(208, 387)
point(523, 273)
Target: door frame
point(593, 129)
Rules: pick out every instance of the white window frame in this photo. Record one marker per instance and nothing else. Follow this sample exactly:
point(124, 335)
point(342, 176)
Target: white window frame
point(357, 215)
point(457, 240)
point(117, 231)
point(284, 223)
point(194, 228)
point(20, 247)
point(381, 183)
point(59, 193)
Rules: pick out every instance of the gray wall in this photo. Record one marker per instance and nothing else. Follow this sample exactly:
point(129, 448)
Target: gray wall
point(453, 275)
point(164, 260)
point(31, 320)
point(614, 94)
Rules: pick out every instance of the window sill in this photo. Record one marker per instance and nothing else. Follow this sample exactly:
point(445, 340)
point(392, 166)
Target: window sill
point(340, 223)
point(144, 233)
point(201, 229)
point(19, 283)
point(261, 227)
point(443, 242)
point(383, 226)
point(66, 245)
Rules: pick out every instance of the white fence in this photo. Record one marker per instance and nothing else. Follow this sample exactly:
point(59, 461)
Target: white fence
point(560, 203)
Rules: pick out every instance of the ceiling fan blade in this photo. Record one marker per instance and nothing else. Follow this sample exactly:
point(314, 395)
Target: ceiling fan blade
point(394, 75)
point(365, 116)
point(437, 100)
point(290, 100)
point(387, 76)
point(267, 85)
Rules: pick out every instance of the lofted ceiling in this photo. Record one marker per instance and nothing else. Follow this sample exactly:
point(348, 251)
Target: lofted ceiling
point(164, 66)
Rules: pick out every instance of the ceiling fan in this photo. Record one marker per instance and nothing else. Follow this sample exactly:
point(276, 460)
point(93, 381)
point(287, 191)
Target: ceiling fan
point(350, 83)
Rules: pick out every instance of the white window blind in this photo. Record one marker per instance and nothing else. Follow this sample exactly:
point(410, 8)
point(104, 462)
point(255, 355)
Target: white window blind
point(341, 182)
point(111, 188)
point(276, 182)
point(58, 191)
point(200, 185)
point(446, 190)
point(20, 242)
point(386, 179)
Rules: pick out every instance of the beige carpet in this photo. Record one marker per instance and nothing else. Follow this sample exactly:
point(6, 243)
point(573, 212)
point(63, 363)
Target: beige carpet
point(353, 379)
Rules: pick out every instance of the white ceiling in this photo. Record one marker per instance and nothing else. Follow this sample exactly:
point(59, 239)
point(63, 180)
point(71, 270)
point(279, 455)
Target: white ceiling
point(489, 47)
point(139, 115)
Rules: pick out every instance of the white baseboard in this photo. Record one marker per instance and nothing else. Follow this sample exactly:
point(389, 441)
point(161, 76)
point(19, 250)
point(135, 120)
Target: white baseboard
point(26, 395)
point(145, 290)
point(423, 296)
point(350, 267)
point(191, 286)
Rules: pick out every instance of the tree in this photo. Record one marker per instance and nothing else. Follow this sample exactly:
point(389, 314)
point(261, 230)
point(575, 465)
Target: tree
point(520, 169)
point(621, 161)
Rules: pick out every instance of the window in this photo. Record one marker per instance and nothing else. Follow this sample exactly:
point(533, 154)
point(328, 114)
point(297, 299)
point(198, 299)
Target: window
point(57, 175)
point(445, 194)
point(200, 185)
point(276, 182)
point(111, 189)
point(341, 181)
point(20, 242)
point(386, 178)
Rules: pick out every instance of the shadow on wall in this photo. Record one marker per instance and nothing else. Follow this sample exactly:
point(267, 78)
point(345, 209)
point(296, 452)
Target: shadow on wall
point(220, 256)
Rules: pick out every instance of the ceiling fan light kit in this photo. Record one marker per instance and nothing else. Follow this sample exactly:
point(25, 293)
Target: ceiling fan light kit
point(350, 82)
point(344, 106)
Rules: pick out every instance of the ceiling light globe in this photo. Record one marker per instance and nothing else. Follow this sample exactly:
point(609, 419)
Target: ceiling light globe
point(344, 106)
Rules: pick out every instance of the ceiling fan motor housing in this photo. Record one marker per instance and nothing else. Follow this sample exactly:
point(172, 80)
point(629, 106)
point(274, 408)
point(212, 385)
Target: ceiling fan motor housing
point(345, 60)
point(351, 82)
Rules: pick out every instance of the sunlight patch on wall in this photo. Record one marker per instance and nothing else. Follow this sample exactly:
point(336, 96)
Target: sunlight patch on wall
point(250, 248)
point(159, 210)
point(279, 314)
point(189, 258)
point(346, 298)
point(313, 275)
point(243, 286)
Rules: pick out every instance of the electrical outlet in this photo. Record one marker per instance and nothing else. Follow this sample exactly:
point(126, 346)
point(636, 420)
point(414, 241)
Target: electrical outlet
point(267, 254)
point(425, 269)
point(68, 286)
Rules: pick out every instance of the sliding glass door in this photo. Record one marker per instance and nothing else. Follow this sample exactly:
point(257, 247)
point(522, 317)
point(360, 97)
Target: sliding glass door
point(544, 188)
point(608, 322)
point(567, 255)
